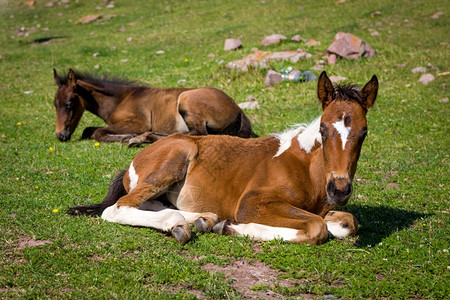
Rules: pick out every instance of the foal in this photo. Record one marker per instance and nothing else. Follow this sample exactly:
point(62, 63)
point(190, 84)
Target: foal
point(280, 186)
point(143, 114)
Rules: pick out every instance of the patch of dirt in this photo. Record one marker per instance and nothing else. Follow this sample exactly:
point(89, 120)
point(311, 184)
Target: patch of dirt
point(246, 275)
point(25, 242)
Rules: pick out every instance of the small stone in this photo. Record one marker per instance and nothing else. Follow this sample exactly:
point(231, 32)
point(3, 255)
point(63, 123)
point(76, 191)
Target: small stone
point(95, 54)
point(337, 78)
point(426, 78)
point(211, 55)
point(88, 19)
point(96, 67)
point(296, 38)
point(249, 105)
point(419, 70)
point(124, 60)
point(444, 100)
point(437, 15)
point(392, 185)
point(232, 44)
point(123, 29)
point(272, 39)
point(332, 59)
point(129, 39)
point(348, 46)
point(273, 77)
point(312, 42)
point(160, 52)
point(375, 33)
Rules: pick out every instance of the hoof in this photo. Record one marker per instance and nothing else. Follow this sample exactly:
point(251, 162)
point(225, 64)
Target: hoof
point(201, 226)
point(182, 234)
point(220, 228)
point(134, 142)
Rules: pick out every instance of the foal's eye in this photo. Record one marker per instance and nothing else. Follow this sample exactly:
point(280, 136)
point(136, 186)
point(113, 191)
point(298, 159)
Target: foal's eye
point(68, 105)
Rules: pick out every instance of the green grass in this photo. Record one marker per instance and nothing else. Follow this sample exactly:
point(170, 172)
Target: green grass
point(402, 247)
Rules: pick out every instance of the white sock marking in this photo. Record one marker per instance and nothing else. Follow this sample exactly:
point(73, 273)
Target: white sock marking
point(342, 130)
point(264, 233)
point(133, 177)
point(337, 230)
point(164, 219)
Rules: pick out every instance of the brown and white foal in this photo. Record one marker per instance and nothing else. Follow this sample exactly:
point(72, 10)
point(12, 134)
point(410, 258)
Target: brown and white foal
point(279, 186)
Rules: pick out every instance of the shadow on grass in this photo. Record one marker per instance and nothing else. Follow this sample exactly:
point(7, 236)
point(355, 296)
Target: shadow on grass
point(379, 222)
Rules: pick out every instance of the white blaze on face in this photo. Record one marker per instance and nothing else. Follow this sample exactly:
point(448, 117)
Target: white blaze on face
point(133, 177)
point(342, 130)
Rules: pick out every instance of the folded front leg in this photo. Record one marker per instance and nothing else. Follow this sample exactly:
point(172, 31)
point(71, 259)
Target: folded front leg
point(341, 224)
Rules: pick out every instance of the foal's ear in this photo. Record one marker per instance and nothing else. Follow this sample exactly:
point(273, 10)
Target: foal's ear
point(71, 79)
point(325, 90)
point(58, 79)
point(370, 91)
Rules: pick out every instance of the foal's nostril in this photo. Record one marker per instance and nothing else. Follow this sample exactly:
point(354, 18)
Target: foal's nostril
point(339, 195)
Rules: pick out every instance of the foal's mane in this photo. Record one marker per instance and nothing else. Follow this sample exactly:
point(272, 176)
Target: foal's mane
point(347, 92)
point(101, 79)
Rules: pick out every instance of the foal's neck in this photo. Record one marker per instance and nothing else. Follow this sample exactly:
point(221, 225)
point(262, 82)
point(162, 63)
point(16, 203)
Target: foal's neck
point(100, 100)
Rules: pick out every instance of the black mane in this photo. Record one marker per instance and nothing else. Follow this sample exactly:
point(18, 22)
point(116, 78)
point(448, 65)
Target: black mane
point(347, 92)
point(101, 79)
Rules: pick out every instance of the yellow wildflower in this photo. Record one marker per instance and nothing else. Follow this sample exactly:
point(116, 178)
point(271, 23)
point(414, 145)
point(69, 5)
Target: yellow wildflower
point(55, 210)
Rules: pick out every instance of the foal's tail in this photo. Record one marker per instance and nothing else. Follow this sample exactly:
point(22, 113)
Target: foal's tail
point(115, 191)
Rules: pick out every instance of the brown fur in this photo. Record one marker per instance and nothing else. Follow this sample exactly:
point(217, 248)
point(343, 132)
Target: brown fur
point(143, 114)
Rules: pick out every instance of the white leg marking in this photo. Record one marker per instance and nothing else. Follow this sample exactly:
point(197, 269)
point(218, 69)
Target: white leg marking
point(342, 130)
point(163, 220)
point(157, 206)
point(337, 230)
point(133, 177)
point(265, 233)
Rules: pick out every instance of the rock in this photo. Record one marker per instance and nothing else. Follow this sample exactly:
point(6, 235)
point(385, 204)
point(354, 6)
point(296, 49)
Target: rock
point(349, 46)
point(312, 42)
point(444, 100)
point(260, 59)
point(332, 59)
point(337, 78)
point(437, 15)
point(253, 104)
point(272, 39)
point(88, 19)
point(419, 70)
point(273, 77)
point(426, 78)
point(232, 44)
point(296, 38)
point(160, 52)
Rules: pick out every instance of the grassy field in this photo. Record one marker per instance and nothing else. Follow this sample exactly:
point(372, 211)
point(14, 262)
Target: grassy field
point(401, 195)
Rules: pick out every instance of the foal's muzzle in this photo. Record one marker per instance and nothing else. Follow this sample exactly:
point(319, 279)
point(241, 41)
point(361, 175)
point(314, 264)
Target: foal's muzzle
point(339, 190)
point(63, 135)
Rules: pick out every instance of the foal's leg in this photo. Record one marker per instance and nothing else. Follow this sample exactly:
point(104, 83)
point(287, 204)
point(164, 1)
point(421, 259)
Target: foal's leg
point(341, 224)
point(268, 217)
point(146, 137)
point(203, 222)
point(105, 134)
point(165, 220)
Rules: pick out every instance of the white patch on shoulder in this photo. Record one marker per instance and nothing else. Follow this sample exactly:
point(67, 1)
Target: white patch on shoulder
point(307, 136)
point(310, 135)
point(342, 130)
point(337, 230)
point(264, 233)
point(133, 177)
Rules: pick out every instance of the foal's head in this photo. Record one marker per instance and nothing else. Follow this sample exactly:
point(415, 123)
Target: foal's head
point(69, 106)
point(343, 127)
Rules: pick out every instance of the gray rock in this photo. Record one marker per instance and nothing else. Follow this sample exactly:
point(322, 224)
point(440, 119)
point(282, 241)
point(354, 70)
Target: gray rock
point(273, 77)
point(349, 46)
point(426, 78)
point(419, 70)
point(272, 39)
point(296, 38)
point(232, 44)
